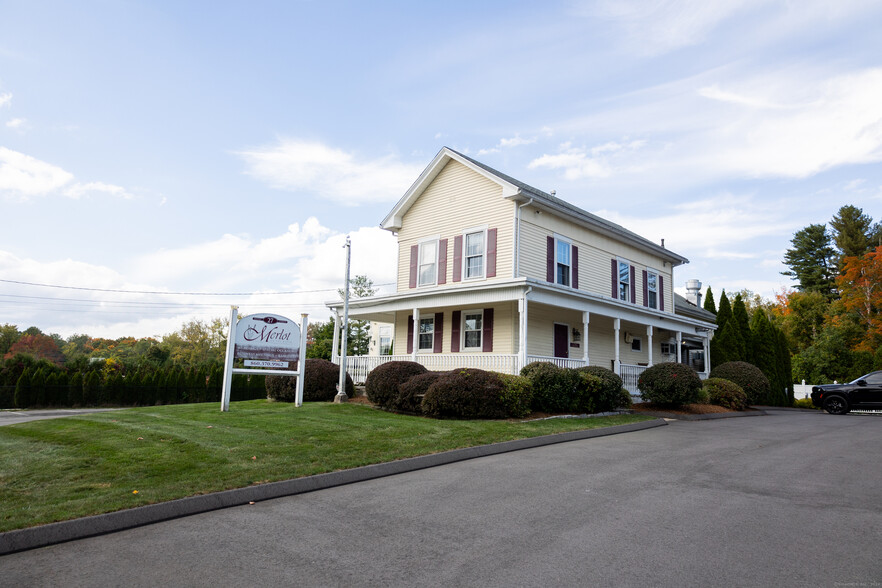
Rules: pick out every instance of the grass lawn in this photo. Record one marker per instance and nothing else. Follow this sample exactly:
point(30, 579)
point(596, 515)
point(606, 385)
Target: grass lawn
point(59, 469)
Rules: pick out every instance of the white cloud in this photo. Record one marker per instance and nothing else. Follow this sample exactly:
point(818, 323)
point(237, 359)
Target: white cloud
point(79, 190)
point(296, 165)
point(5, 99)
point(504, 143)
point(16, 123)
point(25, 176)
point(600, 161)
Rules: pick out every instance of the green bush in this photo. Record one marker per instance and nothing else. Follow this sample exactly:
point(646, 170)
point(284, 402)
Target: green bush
point(754, 383)
point(553, 386)
point(382, 383)
point(585, 392)
point(670, 384)
point(516, 395)
point(725, 393)
point(465, 393)
point(805, 403)
point(319, 384)
point(611, 394)
point(411, 393)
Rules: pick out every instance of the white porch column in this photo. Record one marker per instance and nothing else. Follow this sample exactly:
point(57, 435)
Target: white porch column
point(617, 364)
point(522, 333)
point(585, 318)
point(649, 342)
point(706, 346)
point(679, 343)
point(416, 334)
point(335, 347)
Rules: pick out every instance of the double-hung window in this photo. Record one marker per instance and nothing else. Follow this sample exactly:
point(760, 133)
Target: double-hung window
point(562, 262)
point(428, 263)
point(624, 281)
point(427, 334)
point(385, 340)
point(472, 327)
point(473, 267)
point(651, 289)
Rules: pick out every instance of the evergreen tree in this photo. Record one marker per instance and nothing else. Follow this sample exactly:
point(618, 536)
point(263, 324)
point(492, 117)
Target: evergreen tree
point(709, 304)
point(726, 345)
point(91, 388)
point(812, 261)
point(739, 317)
point(852, 232)
point(257, 386)
point(22, 396)
point(785, 367)
point(38, 388)
point(724, 313)
point(75, 389)
point(215, 383)
point(764, 347)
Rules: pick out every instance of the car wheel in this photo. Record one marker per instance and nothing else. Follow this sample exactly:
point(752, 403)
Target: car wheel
point(836, 405)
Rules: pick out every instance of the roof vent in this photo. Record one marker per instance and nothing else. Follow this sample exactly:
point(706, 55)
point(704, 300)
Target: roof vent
point(693, 292)
point(553, 192)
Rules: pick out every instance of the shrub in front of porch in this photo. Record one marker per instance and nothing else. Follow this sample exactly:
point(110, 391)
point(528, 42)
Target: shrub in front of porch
point(516, 395)
point(611, 394)
point(725, 393)
point(670, 384)
point(319, 385)
point(381, 385)
point(751, 379)
point(411, 393)
point(466, 393)
point(553, 387)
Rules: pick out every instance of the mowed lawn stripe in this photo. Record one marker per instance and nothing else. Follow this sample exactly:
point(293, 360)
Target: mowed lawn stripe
point(54, 470)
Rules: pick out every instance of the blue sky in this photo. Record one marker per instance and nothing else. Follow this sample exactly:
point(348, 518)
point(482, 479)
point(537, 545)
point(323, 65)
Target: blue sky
point(229, 147)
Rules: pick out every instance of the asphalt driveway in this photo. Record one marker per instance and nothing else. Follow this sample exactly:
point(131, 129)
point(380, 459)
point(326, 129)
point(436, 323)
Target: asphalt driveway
point(789, 499)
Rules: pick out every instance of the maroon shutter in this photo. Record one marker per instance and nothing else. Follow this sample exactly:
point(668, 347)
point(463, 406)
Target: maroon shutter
point(442, 261)
point(661, 293)
point(487, 335)
point(615, 279)
point(457, 258)
point(575, 267)
point(414, 258)
point(410, 334)
point(549, 259)
point(438, 346)
point(645, 289)
point(633, 285)
point(491, 253)
point(456, 320)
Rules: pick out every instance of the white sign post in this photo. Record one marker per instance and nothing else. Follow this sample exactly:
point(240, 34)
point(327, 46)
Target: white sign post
point(264, 341)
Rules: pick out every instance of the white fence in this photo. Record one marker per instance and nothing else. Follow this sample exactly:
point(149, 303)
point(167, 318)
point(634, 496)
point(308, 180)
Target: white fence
point(558, 361)
point(804, 390)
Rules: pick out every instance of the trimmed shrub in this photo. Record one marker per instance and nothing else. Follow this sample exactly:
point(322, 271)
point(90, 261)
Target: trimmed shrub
point(516, 395)
point(411, 393)
point(553, 387)
point(725, 393)
point(670, 384)
point(382, 383)
point(319, 384)
point(465, 393)
point(611, 394)
point(805, 403)
point(751, 379)
point(585, 392)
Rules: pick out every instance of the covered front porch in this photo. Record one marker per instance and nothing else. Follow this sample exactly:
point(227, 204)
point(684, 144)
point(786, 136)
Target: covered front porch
point(506, 326)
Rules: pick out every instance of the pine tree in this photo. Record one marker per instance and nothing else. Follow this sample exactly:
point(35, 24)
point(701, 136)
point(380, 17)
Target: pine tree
point(75, 389)
point(739, 316)
point(709, 304)
point(22, 396)
point(725, 345)
point(724, 313)
point(91, 388)
point(38, 388)
point(852, 232)
point(785, 368)
point(812, 261)
point(764, 347)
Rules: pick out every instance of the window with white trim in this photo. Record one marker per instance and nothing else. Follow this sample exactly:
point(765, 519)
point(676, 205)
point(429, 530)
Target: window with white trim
point(427, 334)
point(475, 246)
point(624, 281)
point(428, 263)
point(636, 344)
point(652, 289)
point(472, 329)
point(562, 262)
point(385, 340)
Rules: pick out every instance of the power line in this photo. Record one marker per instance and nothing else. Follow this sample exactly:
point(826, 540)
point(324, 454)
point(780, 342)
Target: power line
point(177, 293)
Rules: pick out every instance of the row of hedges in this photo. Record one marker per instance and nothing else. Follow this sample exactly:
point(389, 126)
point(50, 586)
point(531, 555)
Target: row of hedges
point(734, 385)
point(319, 385)
point(405, 386)
point(97, 388)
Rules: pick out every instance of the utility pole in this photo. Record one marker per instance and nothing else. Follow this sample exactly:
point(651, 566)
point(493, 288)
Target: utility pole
point(341, 385)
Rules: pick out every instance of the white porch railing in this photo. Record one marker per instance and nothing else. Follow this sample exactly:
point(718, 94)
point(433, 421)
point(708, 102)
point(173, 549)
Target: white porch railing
point(358, 367)
point(558, 361)
point(630, 374)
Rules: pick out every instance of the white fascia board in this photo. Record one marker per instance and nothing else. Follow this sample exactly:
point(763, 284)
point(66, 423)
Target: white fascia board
point(393, 220)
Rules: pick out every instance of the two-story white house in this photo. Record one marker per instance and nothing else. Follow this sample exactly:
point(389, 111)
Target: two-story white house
point(495, 274)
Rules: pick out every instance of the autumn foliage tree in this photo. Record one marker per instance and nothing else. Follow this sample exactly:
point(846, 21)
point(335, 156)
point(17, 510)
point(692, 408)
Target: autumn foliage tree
point(40, 346)
point(860, 289)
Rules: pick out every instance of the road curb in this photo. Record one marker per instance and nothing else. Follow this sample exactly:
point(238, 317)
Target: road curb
point(53, 533)
point(703, 417)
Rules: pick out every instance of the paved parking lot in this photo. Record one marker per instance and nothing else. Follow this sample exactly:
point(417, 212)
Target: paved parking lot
point(789, 499)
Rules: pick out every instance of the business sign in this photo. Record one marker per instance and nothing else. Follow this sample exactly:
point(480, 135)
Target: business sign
point(267, 337)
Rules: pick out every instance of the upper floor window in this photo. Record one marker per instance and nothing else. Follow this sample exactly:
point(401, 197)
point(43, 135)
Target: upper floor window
point(562, 262)
point(427, 334)
point(472, 327)
point(428, 263)
point(624, 281)
point(652, 289)
point(474, 255)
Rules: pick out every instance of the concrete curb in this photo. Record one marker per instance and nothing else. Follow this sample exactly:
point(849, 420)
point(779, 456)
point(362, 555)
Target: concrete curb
point(703, 417)
point(44, 535)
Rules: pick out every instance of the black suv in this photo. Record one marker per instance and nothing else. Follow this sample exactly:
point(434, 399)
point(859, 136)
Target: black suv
point(865, 393)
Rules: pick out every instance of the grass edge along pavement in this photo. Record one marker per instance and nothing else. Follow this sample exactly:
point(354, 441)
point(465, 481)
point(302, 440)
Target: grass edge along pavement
point(185, 459)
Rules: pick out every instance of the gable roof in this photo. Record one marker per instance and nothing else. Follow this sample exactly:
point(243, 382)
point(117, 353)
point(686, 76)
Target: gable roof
point(520, 192)
point(685, 308)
